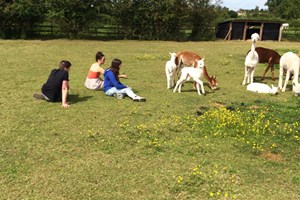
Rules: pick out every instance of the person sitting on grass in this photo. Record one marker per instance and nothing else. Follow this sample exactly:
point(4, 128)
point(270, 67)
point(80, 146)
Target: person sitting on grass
point(112, 85)
point(94, 80)
point(57, 86)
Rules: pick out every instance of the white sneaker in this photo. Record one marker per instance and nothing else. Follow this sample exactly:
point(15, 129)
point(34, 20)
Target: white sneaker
point(139, 99)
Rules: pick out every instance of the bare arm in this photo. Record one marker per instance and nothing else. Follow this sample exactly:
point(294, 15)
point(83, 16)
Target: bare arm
point(64, 90)
point(123, 76)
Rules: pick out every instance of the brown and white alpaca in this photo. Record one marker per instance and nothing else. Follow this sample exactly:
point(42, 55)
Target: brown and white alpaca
point(189, 59)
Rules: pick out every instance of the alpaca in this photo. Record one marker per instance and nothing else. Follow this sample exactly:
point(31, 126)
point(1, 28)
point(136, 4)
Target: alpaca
point(269, 56)
point(262, 88)
point(171, 71)
point(194, 73)
point(291, 63)
point(251, 60)
point(186, 58)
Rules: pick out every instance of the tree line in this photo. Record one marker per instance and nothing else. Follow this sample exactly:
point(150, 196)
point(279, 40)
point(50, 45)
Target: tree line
point(136, 19)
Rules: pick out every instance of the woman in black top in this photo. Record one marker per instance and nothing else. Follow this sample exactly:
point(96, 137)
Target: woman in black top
point(56, 87)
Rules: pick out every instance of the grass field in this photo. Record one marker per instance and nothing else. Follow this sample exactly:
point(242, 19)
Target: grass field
point(228, 144)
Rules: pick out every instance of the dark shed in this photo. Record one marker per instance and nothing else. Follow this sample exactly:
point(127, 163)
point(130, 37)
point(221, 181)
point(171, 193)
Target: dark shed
point(243, 29)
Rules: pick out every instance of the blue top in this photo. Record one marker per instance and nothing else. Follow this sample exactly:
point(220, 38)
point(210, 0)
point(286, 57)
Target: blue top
point(110, 81)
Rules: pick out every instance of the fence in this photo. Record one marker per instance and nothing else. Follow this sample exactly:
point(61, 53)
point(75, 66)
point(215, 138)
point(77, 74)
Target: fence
point(291, 34)
point(115, 32)
point(103, 32)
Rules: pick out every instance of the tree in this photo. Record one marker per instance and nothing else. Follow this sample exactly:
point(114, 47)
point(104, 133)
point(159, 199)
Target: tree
point(203, 18)
point(286, 9)
point(232, 14)
point(74, 16)
point(19, 17)
point(150, 19)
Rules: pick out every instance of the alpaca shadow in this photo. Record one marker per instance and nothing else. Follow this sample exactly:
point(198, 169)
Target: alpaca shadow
point(195, 91)
point(266, 78)
point(75, 98)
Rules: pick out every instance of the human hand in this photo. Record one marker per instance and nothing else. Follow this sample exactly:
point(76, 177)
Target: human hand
point(124, 76)
point(65, 105)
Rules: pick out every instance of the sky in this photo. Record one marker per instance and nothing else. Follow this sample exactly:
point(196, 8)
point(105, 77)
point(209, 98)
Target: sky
point(243, 4)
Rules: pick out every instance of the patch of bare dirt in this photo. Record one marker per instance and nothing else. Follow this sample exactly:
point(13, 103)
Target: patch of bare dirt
point(272, 157)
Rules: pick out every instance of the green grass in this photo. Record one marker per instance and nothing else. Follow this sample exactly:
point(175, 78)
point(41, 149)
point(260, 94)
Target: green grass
point(228, 144)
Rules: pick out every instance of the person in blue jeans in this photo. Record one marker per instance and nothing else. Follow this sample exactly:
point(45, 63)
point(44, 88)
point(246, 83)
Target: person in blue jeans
point(113, 86)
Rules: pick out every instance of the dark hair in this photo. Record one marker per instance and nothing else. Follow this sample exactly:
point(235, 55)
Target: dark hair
point(115, 67)
point(99, 55)
point(64, 64)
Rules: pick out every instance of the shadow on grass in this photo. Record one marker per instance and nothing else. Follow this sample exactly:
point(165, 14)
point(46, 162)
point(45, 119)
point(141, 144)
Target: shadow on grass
point(75, 98)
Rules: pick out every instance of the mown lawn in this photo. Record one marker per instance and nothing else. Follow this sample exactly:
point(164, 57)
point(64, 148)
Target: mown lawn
point(228, 144)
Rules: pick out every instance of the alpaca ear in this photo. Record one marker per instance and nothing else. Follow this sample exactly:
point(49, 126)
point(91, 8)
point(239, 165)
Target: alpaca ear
point(272, 86)
point(203, 59)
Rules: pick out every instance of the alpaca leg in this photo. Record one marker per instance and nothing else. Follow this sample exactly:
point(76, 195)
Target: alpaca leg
point(198, 88)
point(272, 71)
point(178, 84)
point(266, 70)
point(179, 88)
point(245, 77)
point(199, 82)
point(173, 79)
point(287, 78)
point(252, 75)
point(168, 81)
point(280, 78)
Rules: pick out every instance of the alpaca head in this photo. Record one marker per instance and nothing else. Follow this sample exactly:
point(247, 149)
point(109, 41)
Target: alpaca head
point(296, 88)
point(213, 83)
point(200, 63)
point(274, 90)
point(254, 37)
point(173, 55)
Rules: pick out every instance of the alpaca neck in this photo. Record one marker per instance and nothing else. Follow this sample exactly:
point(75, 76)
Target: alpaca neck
point(253, 46)
point(206, 76)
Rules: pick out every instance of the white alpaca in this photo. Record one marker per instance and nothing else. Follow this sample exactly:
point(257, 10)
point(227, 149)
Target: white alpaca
point(296, 89)
point(194, 73)
point(171, 70)
point(291, 63)
point(251, 60)
point(262, 88)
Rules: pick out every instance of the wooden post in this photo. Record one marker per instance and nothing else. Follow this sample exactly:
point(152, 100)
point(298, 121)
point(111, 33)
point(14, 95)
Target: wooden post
point(230, 30)
point(280, 33)
point(228, 36)
point(261, 31)
point(245, 30)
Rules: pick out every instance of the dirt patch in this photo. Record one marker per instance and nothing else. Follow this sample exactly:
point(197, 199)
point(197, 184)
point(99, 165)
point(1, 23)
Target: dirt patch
point(254, 107)
point(272, 157)
point(217, 104)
